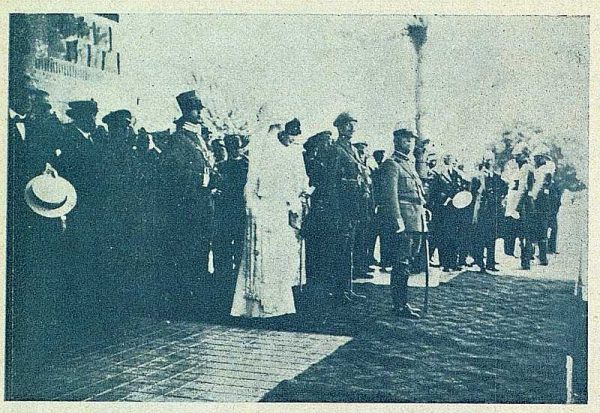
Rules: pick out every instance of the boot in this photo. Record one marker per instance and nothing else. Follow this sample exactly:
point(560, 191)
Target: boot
point(543, 245)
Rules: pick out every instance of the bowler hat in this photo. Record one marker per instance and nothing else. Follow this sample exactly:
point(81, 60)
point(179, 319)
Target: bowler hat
point(343, 118)
point(116, 116)
point(50, 195)
point(80, 108)
point(188, 101)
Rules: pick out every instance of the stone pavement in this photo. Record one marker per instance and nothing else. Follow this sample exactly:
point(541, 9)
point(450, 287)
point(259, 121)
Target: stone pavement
point(163, 361)
point(487, 339)
point(501, 338)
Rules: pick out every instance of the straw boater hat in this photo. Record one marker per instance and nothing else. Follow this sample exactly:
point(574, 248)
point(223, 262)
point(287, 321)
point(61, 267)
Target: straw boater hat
point(50, 195)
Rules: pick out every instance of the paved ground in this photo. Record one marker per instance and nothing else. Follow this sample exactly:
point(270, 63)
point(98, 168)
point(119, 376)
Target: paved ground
point(487, 338)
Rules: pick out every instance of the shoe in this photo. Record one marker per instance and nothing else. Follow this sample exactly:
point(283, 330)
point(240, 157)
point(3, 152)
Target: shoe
point(405, 312)
point(482, 270)
point(494, 269)
point(544, 263)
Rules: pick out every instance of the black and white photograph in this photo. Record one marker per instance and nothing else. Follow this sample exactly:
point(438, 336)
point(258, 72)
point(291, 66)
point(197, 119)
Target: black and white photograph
point(296, 207)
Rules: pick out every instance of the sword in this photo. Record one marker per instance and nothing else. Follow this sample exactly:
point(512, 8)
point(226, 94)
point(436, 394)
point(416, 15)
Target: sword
point(426, 256)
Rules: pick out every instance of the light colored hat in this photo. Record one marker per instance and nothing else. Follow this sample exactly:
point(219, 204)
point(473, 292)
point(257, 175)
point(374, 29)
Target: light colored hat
point(404, 126)
point(489, 155)
point(50, 195)
point(521, 147)
point(462, 199)
point(541, 150)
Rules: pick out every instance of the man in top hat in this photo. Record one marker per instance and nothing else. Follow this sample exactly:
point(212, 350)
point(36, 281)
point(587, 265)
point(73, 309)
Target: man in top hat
point(187, 166)
point(351, 195)
point(403, 209)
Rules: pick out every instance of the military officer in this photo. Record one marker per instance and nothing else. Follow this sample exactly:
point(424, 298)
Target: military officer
point(403, 208)
point(351, 194)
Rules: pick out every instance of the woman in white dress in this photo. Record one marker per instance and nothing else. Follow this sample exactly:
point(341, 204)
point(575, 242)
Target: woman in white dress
point(271, 260)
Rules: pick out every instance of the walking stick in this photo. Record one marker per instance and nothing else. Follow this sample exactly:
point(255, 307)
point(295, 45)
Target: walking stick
point(426, 255)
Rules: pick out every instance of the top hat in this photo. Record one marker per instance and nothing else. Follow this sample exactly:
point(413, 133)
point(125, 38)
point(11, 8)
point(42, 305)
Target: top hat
point(80, 108)
point(360, 144)
point(292, 125)
point(50, 195)
point(342, 119)
point(188, 101)
point(117, 116)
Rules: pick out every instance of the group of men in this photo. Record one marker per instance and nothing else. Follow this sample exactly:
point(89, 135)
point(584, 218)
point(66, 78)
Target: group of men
point(159, 203)
point(355, 201)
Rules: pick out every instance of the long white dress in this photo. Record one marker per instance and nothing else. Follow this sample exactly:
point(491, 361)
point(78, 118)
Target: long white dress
point(271, 260)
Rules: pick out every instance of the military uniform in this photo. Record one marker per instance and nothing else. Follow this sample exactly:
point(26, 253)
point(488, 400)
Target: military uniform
point(403, 206)
point(350, 192)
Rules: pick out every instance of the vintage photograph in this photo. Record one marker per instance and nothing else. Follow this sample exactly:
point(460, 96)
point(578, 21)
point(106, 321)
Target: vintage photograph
point(297, 208)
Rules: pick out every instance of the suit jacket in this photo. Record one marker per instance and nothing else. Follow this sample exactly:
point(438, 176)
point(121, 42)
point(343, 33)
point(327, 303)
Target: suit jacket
point(403, 195)
point(187, 171)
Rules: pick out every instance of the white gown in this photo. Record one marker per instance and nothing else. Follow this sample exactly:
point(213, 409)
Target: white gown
point(271, 260)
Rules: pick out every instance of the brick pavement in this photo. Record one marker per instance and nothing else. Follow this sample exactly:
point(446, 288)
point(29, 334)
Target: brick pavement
point(160, 361)
point(486, 339)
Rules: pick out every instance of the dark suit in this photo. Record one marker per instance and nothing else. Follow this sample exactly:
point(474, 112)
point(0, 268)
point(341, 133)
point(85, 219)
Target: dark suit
point(446, 218)
point(403, 208)
point(230, 215)
point(488, 190)
point(188, 212)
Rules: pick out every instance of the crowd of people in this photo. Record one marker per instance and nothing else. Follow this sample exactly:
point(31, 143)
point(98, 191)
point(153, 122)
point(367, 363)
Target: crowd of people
point(278, 214)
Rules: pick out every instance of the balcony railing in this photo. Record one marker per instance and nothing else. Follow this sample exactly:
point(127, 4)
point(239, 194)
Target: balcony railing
point(69, 69)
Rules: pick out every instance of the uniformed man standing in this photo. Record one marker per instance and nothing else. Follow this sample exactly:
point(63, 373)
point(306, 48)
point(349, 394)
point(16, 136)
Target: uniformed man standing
point(187, 164)
point(350, 193)
point(403, 208)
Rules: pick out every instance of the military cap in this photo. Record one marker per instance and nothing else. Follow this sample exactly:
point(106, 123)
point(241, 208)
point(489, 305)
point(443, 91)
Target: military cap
point(403, 128)
point(342, 119)
point(79, 108)
point(116, 116)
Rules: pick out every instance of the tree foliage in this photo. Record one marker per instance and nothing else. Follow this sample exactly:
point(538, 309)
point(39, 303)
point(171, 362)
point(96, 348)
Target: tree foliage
point(562, 150)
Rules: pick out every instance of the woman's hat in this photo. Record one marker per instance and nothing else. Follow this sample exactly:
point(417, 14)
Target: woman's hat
point(50, 195)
